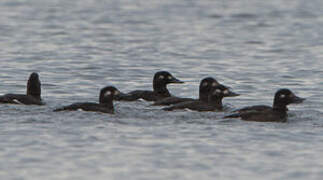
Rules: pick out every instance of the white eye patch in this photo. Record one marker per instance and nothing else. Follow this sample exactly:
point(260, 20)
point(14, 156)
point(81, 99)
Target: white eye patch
point(205, 84)
point(170, 77)
point(226, 92)
point(108, 93)
point(116, 92)
point(161, 77)
point(282, 96)
point(217, 91)
point(214, 84)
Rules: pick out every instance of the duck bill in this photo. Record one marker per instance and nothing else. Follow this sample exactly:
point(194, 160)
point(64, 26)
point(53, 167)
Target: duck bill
point(297, 100)
point(176, 81)
point(232, 94)
point(119, 95)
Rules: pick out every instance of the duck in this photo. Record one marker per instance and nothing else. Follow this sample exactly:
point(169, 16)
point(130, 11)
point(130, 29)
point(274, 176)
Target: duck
point(205, 85)
point(213, 103)
point(32, 96)
point(160, 81)
point(263, 113)
point(105, 104)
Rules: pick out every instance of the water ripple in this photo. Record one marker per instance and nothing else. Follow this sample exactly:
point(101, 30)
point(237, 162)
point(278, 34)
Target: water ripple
point(78, 47)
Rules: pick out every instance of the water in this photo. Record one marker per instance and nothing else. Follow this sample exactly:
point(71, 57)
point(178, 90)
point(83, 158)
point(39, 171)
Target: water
point(80, 46)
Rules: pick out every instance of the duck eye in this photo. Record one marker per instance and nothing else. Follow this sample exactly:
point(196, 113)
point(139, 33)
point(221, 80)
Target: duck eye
point(226, 92)
point(282, 96)
point(204, 84)
point(108, 93)
point(170, 77)
point(161, 77)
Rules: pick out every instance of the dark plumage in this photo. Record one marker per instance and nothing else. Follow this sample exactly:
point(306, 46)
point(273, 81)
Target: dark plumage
point(160, 91)
point(213, 103)
point(105, 104)
point(262, 113)
point(205, 86)
point(32, 97)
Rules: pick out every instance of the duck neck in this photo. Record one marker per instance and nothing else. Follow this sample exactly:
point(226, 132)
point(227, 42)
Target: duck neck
point(203, 96)
point(216, 102)
point(34, 91)
point(160, 88)
point(280, 107)
point(108, 104)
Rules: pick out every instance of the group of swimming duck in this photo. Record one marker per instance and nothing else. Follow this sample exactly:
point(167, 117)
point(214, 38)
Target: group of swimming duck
point(210, 98)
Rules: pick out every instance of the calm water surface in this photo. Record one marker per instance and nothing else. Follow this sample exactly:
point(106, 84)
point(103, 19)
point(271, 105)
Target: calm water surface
point(80, 46)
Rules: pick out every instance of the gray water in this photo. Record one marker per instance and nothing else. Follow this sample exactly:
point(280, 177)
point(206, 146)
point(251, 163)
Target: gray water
point(80, 46)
